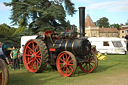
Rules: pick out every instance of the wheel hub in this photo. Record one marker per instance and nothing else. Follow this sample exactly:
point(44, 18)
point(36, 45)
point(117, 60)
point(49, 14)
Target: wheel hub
point(64, 64)
point(33, 56)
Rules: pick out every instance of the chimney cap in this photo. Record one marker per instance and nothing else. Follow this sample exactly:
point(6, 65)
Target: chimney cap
point(82, 7)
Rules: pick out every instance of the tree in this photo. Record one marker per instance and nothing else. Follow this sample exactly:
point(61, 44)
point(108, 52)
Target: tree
point(40, 14)
point(102, 22)
point(6, 32)
point(126, 23)
point(21, 27)
point(115, 26)
point(121, 25)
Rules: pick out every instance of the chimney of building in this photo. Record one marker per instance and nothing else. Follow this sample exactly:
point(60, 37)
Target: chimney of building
point(82, 21)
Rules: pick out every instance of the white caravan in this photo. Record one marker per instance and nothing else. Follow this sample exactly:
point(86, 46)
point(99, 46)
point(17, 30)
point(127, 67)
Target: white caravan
point(109, 45)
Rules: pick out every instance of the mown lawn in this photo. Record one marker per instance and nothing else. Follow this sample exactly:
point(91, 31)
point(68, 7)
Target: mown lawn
point(112, 71)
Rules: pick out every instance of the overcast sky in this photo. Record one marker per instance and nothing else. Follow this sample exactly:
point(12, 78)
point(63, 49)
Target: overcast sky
point(115, 10)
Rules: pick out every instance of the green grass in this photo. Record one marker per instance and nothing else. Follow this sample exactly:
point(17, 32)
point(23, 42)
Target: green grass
point(112, 71)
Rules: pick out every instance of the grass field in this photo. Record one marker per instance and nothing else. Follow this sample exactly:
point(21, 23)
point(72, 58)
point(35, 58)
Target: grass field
point(112, 71)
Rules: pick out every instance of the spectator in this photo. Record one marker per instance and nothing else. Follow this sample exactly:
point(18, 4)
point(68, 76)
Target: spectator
point(21, 52)
point(21, 55)
point(2, 54)
point(14, 55)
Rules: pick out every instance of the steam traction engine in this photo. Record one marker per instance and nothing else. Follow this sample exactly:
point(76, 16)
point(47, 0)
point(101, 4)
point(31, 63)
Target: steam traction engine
point(4, 73)
point(63, 51)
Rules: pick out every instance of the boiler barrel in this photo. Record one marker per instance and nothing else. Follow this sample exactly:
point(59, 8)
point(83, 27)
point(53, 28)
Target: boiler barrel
point(80, 47)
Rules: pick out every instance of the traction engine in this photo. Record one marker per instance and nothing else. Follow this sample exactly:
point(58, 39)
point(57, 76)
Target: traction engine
point(64, 51)
point(4, 73)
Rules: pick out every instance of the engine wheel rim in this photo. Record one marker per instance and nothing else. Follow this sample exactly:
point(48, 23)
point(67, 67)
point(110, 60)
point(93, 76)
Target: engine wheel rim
point(32, 56)
point(90, 65)
point(66, 64)
point(4, 73)
point(0, 77)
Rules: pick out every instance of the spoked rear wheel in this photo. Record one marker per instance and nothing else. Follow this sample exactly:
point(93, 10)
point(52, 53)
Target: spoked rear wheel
point(66, 63)
point(35, 55)
point(91, 64)
point(4, 73)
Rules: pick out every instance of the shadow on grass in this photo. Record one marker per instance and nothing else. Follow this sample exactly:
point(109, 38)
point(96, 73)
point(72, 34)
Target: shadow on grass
point(26, 78)
point(100, 68)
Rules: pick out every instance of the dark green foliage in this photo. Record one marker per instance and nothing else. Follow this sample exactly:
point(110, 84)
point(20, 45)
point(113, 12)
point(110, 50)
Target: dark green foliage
point(21, 27)
point(33, 16)
point(17, 37)
point(69, 7)
point(40, 15)
point(102, 22)
point(6, 31)
point(8, 34)
point(115, 26)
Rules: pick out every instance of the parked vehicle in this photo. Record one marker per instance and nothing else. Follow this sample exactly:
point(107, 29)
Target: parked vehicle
point(109, 45)
point(63, 51)
point(24, 39)
point(7, 47)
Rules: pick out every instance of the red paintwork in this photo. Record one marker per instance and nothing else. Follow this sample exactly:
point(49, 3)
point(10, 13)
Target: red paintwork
point(65, 64)
point(48, 32)
point(88, 66)
point(32, 63)
point(52, 49)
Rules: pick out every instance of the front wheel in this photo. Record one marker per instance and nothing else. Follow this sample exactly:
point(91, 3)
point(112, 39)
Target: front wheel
point(66, 63)
point(91, 63)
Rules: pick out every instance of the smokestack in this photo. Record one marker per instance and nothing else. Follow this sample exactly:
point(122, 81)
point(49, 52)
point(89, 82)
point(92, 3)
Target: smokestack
point(82, 21)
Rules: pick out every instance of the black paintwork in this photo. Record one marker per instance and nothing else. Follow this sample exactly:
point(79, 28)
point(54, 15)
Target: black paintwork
point(68, 41)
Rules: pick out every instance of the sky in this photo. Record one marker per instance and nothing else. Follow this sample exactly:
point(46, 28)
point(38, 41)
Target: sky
point(115, 10)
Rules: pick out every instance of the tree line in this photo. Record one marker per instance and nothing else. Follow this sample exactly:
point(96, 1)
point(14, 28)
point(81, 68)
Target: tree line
point(104, 23)
point(33, 16)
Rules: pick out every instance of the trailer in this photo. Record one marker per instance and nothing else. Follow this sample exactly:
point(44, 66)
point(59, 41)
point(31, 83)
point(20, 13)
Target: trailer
point(24, 39)
point(109, 45)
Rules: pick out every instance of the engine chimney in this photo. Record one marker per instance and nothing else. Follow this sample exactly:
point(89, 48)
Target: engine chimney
point(82, 21)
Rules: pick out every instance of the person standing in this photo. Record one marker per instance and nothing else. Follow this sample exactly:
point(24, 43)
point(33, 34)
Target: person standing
point(2, 55)
point(21, 55)
point(14, 55)
point(21, 52)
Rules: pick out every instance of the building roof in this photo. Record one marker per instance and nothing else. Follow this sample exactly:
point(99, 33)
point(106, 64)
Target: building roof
point(89, 22)
point(108, 30)
point(124, 26)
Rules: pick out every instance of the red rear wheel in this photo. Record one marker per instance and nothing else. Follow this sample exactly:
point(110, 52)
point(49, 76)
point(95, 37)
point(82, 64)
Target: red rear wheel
point(90, 65)
point(4, 73)
point(35, 55)
point(66, 63)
